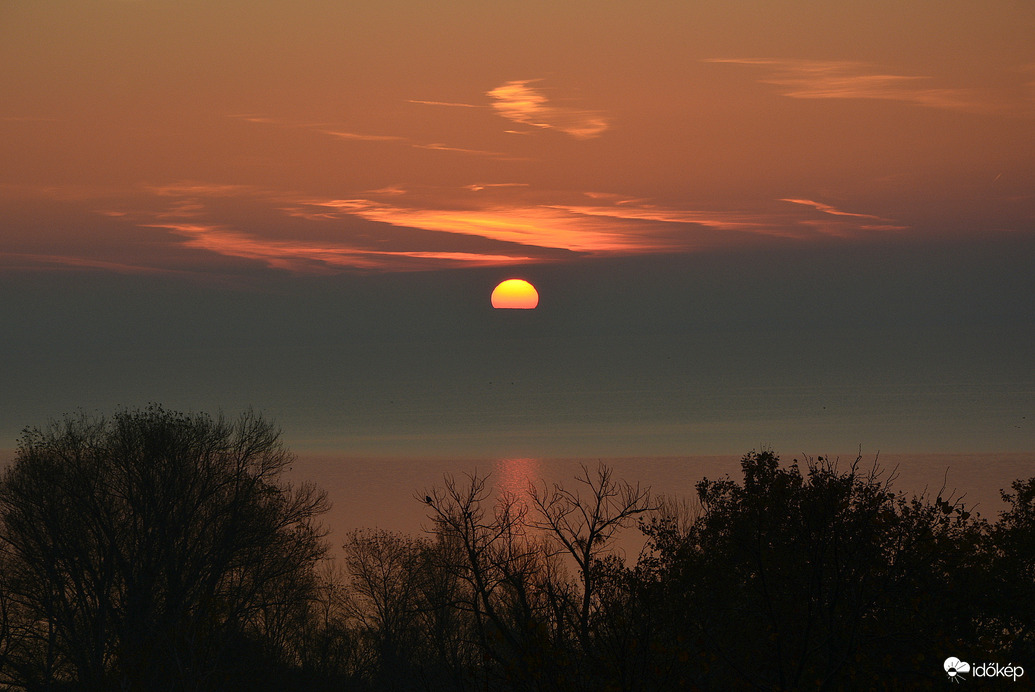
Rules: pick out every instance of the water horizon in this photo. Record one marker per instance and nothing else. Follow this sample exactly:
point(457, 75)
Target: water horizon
point(372, 492)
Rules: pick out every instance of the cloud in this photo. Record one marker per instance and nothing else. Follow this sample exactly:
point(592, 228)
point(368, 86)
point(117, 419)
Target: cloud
point(628, 226)
point(478, 187)
point(521, 103)
point(416, 228)
point(188, 188)
point(533, 226)
point(459, 150)
point(348, 135)
point(322, 128)
point(361, 137)
point(839, 79)
point(13, 261)
point(827, 209)
point(869, 223)
point(310, 257)
point(449, 104)
point(646, 212)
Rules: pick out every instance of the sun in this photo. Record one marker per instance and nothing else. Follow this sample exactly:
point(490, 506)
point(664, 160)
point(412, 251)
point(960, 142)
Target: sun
point(515, 294)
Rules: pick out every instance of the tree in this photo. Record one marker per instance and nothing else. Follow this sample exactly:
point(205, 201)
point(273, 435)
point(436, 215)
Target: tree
point(585, 525)
point(149, 544)
point(385, 571)
point(811, 577)
point(530, 618)
point(1011, 558)
point(509, 586)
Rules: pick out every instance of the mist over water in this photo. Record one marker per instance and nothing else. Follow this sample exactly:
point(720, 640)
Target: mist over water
point(388, 493)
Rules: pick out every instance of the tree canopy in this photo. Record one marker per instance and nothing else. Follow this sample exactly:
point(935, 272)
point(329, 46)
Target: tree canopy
point(143, 547)
point(155, 550)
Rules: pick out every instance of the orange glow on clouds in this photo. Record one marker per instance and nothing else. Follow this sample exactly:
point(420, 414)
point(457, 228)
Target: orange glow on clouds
point(516, 294)
point(404, 229)
point(524, 104)
point(841, 79)
point(337, 152)
point(527, 225)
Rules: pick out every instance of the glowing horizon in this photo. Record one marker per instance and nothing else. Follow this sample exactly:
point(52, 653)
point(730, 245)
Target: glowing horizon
point(751, 223)
point(320, 152)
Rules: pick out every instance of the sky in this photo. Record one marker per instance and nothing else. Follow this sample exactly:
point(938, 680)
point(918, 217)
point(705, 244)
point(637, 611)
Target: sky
point(801, 224)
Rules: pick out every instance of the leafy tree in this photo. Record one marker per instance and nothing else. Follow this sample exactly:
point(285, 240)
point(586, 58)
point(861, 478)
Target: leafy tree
point(1011, 556)
point(821, 578)
point(149, 547)
point(156, 550)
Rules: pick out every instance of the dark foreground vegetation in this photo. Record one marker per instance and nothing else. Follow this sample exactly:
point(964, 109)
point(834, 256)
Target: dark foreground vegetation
point(157, 551)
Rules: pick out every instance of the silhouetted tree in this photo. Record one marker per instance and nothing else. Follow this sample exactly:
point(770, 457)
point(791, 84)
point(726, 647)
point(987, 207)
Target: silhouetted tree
point(509, 584)
point(149, 547)
point(584, 521)
point(161, 551)
point(1010, 598)
point(825, 578)
point(531, 620)
point(385, 572)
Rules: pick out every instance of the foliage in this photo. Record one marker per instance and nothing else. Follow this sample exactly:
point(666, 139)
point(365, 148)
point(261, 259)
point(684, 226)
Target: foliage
point(156, 550)
point(147, 550)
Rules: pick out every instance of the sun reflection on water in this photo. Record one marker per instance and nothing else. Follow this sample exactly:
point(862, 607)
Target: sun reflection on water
point(513, 476)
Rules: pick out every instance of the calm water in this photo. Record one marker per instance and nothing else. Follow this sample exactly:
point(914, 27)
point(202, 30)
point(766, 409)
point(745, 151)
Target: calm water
point(388, 493)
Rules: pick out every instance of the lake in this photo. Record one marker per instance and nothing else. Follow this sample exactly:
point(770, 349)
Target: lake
point(388, 493)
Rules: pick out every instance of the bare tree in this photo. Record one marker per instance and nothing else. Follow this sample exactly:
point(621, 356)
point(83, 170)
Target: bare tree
point(325, 646)
point(143, 544)
point(530, 617)
point(502, 567)
point(585, 520)
point(385, 574)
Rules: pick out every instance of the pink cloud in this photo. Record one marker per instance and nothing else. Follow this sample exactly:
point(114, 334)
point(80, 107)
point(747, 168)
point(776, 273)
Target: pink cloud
point(841, 79)
point(521, 103)
point(396, 228)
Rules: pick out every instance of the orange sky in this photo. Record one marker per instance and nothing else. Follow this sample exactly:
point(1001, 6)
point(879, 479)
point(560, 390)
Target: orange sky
point(806, 223)
point(319, 136)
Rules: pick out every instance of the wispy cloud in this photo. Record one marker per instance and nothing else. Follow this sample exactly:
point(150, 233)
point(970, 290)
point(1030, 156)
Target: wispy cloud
point(478, 187)
point(839, 79)
point(308, 257)
point(189, 188)
point(868, 222)
point(29, 261)
point(416, 228)
point(349, 135)
point(449, 104)
point(321, 128)
point(627, 226)
point(522, 103)
point(460, 150)
point(532, 226)
point(495, 223)
point(340, 134)
point(647, 212)
point(828, 209)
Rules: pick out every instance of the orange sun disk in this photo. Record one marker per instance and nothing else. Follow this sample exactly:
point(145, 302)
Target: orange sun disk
point(515, 294)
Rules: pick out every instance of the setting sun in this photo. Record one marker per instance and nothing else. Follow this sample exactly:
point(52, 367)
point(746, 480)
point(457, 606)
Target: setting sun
point(515, 294)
